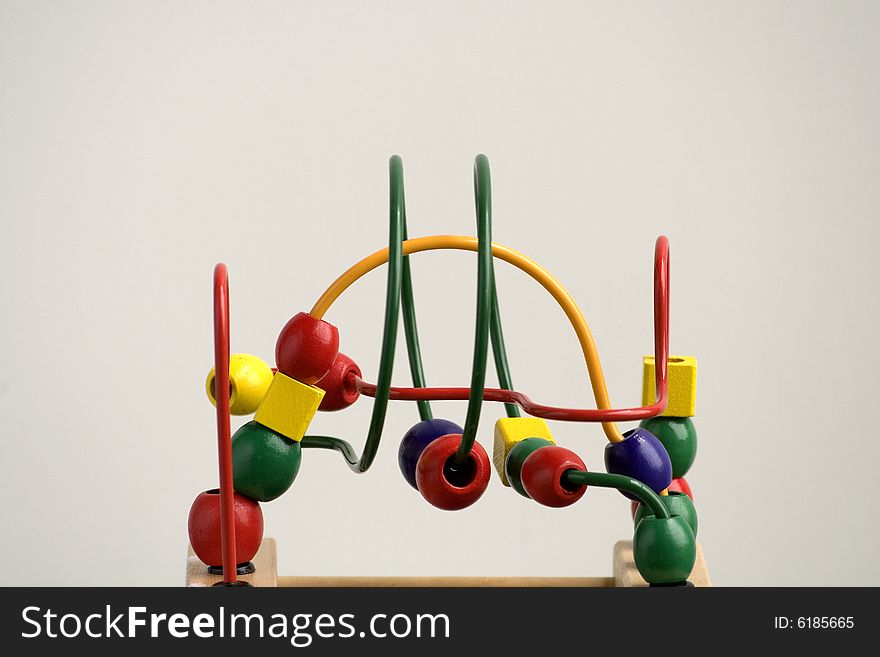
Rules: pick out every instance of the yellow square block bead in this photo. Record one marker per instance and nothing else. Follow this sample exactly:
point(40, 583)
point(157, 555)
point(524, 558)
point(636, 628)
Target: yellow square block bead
point(509, 431)
point(682, 385)
point(289, 406)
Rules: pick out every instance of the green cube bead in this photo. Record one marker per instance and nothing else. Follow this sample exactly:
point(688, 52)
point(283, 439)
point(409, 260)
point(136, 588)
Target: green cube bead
point(679, 437)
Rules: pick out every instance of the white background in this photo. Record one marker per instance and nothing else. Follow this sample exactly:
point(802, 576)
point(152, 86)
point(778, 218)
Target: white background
point(140, 143)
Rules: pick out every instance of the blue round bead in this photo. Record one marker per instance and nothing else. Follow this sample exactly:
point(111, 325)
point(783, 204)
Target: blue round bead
point(416, 440)
point(640, 456)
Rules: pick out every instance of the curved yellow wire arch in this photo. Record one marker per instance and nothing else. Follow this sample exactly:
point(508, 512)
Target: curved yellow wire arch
point(515, 258)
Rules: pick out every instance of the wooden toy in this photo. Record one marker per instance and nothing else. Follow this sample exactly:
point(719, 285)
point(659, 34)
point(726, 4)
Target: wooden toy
point(249, 379)
point(438, 457)
point(205, 529)
point(511, 430)
point(514, 462)
point(416, 440)
point(264, 462)
point(338, 384)
point(444, 483)
point(289, 406)
point(542, 476)
point(682, 385)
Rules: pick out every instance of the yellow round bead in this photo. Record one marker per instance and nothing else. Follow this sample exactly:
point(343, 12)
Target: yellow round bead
point(249, 379)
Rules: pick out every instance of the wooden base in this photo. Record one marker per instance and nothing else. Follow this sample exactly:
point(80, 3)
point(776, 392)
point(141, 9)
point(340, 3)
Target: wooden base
point(625, 574)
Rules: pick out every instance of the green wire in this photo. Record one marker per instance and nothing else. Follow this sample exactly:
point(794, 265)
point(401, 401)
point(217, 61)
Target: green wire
point(499, 352)
point(620, 482)
point(413, 350)
point(389, 338)
point(392, 312)
point(488, 323)
point(485, 283)
point(340, 445)
point(399, 291)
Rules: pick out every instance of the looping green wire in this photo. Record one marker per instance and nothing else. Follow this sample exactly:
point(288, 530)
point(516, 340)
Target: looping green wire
point(389, 337)
point(399, 290)
point(488, 325)
point(485, 280)
point(413, 349)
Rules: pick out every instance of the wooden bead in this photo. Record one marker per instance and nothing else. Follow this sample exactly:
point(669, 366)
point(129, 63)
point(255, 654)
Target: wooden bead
point(337, 384)
point(664, 550)
point(204, 528)
point(515, 459)
point(679, 437)
point(682, 377)
point(680, 484)
point(289, 406)
point(677, 503)
point(416, 440)
point(249, 379)
point(264, 463)
point(640, 456)
point(445, 487)
point(306, 348)
point(511, 430)
point(542, 473)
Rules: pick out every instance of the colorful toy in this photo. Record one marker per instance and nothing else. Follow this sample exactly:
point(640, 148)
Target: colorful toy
point(440, 458)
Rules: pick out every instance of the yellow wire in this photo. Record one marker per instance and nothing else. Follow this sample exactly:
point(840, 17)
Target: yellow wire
point(529, 266)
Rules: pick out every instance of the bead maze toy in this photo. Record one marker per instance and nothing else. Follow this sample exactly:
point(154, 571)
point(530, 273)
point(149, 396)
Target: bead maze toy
point(439, 458)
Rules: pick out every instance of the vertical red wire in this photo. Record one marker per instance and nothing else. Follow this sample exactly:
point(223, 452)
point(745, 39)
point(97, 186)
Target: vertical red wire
point(224, 438)
point(661, 318)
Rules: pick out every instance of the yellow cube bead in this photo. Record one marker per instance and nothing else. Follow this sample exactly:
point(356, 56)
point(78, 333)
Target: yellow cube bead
point(289, 406)
point(509, 431)
point(682, 385)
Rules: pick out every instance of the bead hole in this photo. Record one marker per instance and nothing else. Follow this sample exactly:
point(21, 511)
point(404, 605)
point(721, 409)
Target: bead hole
point(213, 388)
point(568, 486)
point(462, 476)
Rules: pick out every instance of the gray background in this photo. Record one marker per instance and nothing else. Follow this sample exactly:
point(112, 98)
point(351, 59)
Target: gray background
point(140, 143)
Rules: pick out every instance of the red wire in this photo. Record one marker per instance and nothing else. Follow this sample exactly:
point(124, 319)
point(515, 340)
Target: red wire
point(661, 355)
point(224, 440)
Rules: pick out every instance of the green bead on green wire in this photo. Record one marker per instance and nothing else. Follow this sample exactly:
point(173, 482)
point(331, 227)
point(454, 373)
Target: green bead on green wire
point(678, 504)
point(516, 457)
point(664, 550)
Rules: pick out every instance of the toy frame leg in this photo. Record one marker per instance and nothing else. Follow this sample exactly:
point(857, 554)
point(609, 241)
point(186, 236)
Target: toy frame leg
point(266, 575)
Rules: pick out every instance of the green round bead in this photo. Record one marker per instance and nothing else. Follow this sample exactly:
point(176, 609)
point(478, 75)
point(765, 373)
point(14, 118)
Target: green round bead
point(264, 463)
point(678, 504)
point(515, 459)
point(664, 550)
point(679, 437)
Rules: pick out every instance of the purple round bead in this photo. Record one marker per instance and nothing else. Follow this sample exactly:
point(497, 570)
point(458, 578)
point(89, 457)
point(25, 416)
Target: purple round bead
point(642, 456)
point(416, 440)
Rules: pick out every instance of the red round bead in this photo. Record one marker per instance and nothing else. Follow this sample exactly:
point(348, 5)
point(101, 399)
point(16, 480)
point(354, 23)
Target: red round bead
point(681, 485)
point(338, 385)
point(204, 528)
point(542, 473)
point(306, 348)
point(448, 488)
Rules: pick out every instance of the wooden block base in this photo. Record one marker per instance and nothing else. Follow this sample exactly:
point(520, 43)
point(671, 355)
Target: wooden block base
point(266, 564)
point(625, 574)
